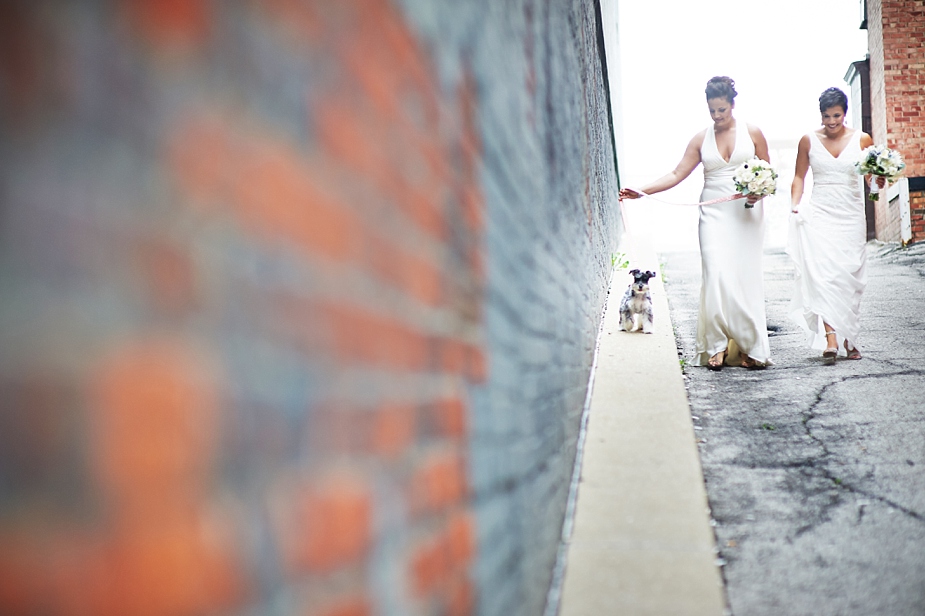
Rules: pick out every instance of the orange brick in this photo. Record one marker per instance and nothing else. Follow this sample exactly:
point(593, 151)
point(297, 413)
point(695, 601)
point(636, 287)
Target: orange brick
point(476, 260)
point(461, 597)
point(270, 186)
point(387, 431)
point(476, 365)
point(200, 155)
point(357, 142)
point(437, 484)
point(430, 567)
point(38, 428)
point(471, 141)
point(337, 429)
point(403, 269)
point(361, 336)
point(378, 76)
point(404, 68)
point(293, 320)
point(436, 561)
point(23, 59)
point(451, 418)
point(169, 22)
point(402, 42)
point(276, 198)
point(452, 355)
point(23, 587)
point(170, 274)
point(155, 427)
point(300, 17)
point(329, 527)
point(422, 280)
point(461, 538)
point(183, 564)
point(473, 207)
point(342, 130)
point(73, 577)
point(349, 606)
point(393, 430)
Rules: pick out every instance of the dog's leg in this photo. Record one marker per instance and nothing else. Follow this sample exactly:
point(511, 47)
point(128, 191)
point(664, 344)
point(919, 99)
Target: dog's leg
point(647, 320)
point(626, 321)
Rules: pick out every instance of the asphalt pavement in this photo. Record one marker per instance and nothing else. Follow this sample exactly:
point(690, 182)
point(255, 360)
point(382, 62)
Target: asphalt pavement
point(815, 473)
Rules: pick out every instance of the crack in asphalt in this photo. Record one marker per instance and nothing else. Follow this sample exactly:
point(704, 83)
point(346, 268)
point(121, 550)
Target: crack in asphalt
point(794, 493)
point(818, 463)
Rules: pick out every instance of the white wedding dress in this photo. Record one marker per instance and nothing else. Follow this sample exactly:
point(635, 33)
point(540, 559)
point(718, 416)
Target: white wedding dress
point(732, 313)
point(828, 244)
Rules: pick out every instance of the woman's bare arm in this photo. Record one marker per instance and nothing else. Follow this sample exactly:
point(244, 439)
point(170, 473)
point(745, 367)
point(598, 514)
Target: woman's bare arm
point(761, 144)
point(799, 173)
point(688, 163)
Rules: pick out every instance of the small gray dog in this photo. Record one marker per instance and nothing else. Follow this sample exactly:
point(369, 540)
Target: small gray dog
point(637, 302)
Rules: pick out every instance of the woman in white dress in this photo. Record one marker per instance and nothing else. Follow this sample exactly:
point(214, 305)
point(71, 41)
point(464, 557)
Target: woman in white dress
point(731, 326)
point(828, 235)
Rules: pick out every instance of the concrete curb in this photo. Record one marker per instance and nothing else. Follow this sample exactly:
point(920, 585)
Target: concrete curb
point(641, 542)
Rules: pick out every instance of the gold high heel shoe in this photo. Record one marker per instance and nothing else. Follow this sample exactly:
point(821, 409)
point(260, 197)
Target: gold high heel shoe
point(853, 352)
point(830, 352)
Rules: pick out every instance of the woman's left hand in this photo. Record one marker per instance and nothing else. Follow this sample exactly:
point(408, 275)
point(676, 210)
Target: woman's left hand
point(629, 193)
point(751, 199)
point(881, 181)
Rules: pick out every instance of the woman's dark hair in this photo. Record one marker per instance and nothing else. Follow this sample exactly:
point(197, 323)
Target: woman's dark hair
point(721, 87)
point(833, 97)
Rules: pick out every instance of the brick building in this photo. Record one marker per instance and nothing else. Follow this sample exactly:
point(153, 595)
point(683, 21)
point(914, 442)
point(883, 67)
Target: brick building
point(298, 302)
point(895, 92)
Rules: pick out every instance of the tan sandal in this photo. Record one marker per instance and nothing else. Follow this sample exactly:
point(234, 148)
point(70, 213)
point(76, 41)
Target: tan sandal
point(717, 365)
point(752, 364)
point(830, 352)
point(853, 353)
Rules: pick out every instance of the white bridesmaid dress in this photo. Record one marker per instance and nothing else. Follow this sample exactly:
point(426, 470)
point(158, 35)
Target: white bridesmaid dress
point(827, 242)
point(732, 312)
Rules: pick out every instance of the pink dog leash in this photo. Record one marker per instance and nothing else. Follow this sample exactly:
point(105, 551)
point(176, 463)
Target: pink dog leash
point(732, 197)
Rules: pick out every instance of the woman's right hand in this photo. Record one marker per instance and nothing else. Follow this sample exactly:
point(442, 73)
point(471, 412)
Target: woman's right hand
point(629, 193)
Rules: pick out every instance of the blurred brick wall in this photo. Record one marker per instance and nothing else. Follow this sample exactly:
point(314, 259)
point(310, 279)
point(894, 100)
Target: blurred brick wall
point(896, 41)
point(298, 301)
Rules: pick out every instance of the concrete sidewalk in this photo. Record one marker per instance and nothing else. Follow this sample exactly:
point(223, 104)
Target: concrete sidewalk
point(642, 543)
point(814, 472)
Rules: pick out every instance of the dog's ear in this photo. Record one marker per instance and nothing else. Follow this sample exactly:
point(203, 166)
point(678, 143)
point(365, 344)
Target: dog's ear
point(651, 274)
point(634, 272)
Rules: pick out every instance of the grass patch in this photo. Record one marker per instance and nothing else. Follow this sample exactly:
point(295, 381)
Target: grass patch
point(619, 261)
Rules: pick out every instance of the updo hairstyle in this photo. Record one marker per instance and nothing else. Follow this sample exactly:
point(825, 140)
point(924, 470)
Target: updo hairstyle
point(833, 97)
point(721, 87)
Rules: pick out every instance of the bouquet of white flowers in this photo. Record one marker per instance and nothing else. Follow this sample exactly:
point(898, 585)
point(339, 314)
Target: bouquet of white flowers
point(755, 177)
point(880, 160)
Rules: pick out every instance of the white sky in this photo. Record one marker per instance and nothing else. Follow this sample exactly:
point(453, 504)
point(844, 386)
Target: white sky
point(782, 55)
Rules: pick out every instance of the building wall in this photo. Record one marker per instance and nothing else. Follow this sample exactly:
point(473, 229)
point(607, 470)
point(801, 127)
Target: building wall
point(917, 215)
point(298, 302)
point(889, 220)
point(877, 75)
point(896, 40)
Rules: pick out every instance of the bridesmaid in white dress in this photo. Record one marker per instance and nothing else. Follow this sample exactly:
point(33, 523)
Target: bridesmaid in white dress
point(731, 327)
point(828, 235)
